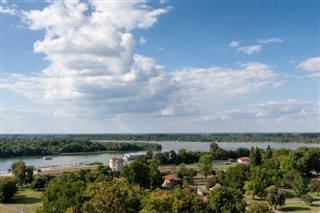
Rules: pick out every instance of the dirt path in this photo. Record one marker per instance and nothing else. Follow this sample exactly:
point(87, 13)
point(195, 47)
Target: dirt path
point(11, 208)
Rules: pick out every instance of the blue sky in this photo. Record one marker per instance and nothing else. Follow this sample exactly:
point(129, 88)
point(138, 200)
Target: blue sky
point(160, 66)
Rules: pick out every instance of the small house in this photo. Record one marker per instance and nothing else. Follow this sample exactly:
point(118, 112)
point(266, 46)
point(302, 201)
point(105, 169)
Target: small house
point(243, 160)
point(170, 181)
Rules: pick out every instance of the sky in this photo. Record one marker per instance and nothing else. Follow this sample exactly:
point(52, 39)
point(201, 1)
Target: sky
point(160, 66)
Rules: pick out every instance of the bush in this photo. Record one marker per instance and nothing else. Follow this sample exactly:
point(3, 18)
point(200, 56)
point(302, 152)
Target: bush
point(8, 187)
point(307, 199)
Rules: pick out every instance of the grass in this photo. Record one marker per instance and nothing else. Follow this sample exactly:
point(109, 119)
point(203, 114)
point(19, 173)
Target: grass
point(300, 207)
point(68, 169)
point(26, 199)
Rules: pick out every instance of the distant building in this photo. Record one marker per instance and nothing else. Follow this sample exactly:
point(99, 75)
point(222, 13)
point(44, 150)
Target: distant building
point(170, 181)
point(243, 160)
point(116, 164)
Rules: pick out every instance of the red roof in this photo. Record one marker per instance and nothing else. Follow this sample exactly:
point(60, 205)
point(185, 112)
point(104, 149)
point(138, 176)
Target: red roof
point(116, 158)
point(244, 158)
point(171, 177)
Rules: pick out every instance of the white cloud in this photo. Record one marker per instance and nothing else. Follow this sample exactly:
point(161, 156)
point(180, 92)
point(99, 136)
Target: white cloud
point(142, 41)
point(250, 49)
point(269, 116)
point(7, 9)
point(270, 40)
point(94, 71)
point(234, 43)
point(310, 64)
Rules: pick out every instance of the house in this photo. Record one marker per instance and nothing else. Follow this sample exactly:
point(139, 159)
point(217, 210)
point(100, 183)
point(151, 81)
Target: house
point(243, 160)
point(116, 164)
point(170, 181)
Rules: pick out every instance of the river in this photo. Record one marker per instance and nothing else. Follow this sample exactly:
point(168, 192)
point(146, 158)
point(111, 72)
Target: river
point(67, 160)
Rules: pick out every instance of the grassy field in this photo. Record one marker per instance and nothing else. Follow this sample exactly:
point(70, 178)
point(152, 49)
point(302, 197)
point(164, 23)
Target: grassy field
point(25, 199)
point(300, 207)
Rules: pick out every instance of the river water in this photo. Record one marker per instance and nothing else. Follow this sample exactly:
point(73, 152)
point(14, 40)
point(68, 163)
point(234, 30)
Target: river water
point(68, 160)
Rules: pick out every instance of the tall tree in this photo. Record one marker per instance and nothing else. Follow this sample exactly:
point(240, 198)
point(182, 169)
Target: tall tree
point(224, 199)
point(19, 170)
point(205, 164)
point(275, 197)
point(118, 196)
point(137, 172)
point(155, 176)
point(255, 156)
point(214, 147)
point(269, 152)
point(62, 193)
point(299, 186)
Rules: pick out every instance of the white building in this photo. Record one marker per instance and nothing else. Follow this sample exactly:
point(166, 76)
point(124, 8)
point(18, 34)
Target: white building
point(116, 164)
point(244, 160)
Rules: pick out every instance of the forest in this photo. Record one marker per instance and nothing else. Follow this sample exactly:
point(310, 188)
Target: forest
point(200, 137)
point(15, 146)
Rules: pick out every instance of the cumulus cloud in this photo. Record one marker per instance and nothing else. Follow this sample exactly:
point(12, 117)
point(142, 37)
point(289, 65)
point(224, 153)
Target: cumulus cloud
point(94, 70)
point(270, 40)
point(250, 49)
point(310, 64)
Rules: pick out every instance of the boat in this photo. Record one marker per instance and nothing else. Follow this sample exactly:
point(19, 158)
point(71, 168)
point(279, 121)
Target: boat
point(47, 158)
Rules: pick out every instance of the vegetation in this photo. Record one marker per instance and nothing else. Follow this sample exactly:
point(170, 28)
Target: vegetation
point(315, 185)
point(137, 188)
point(8, 187)
point(208, 137)
point(13, 147)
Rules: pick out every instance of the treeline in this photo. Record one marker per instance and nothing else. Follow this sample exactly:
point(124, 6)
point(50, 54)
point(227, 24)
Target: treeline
point(13, 147)
point(210, 137)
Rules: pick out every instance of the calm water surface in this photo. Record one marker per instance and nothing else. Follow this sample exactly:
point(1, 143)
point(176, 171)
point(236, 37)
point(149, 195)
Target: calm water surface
point(38, 161)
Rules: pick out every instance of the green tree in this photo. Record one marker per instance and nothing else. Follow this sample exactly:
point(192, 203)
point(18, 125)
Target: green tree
point(62, 193)
point(213, 148)
point(119, 196)
point(315, 185)
point(253, 187)
point(260, 178)
point(29, 174)
point(268, 152)
point(187, 200)
point(255, 156)
point(155, 176)
point(137, 172)
point(158, 201)
point(19, 170)
point(223, 199)
point(299, 186)
point(38, 183)
point(235, 177)
point(257, 207)
point(205, 164)
point(275, 197)
point(185, 173)
point(8, 187)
